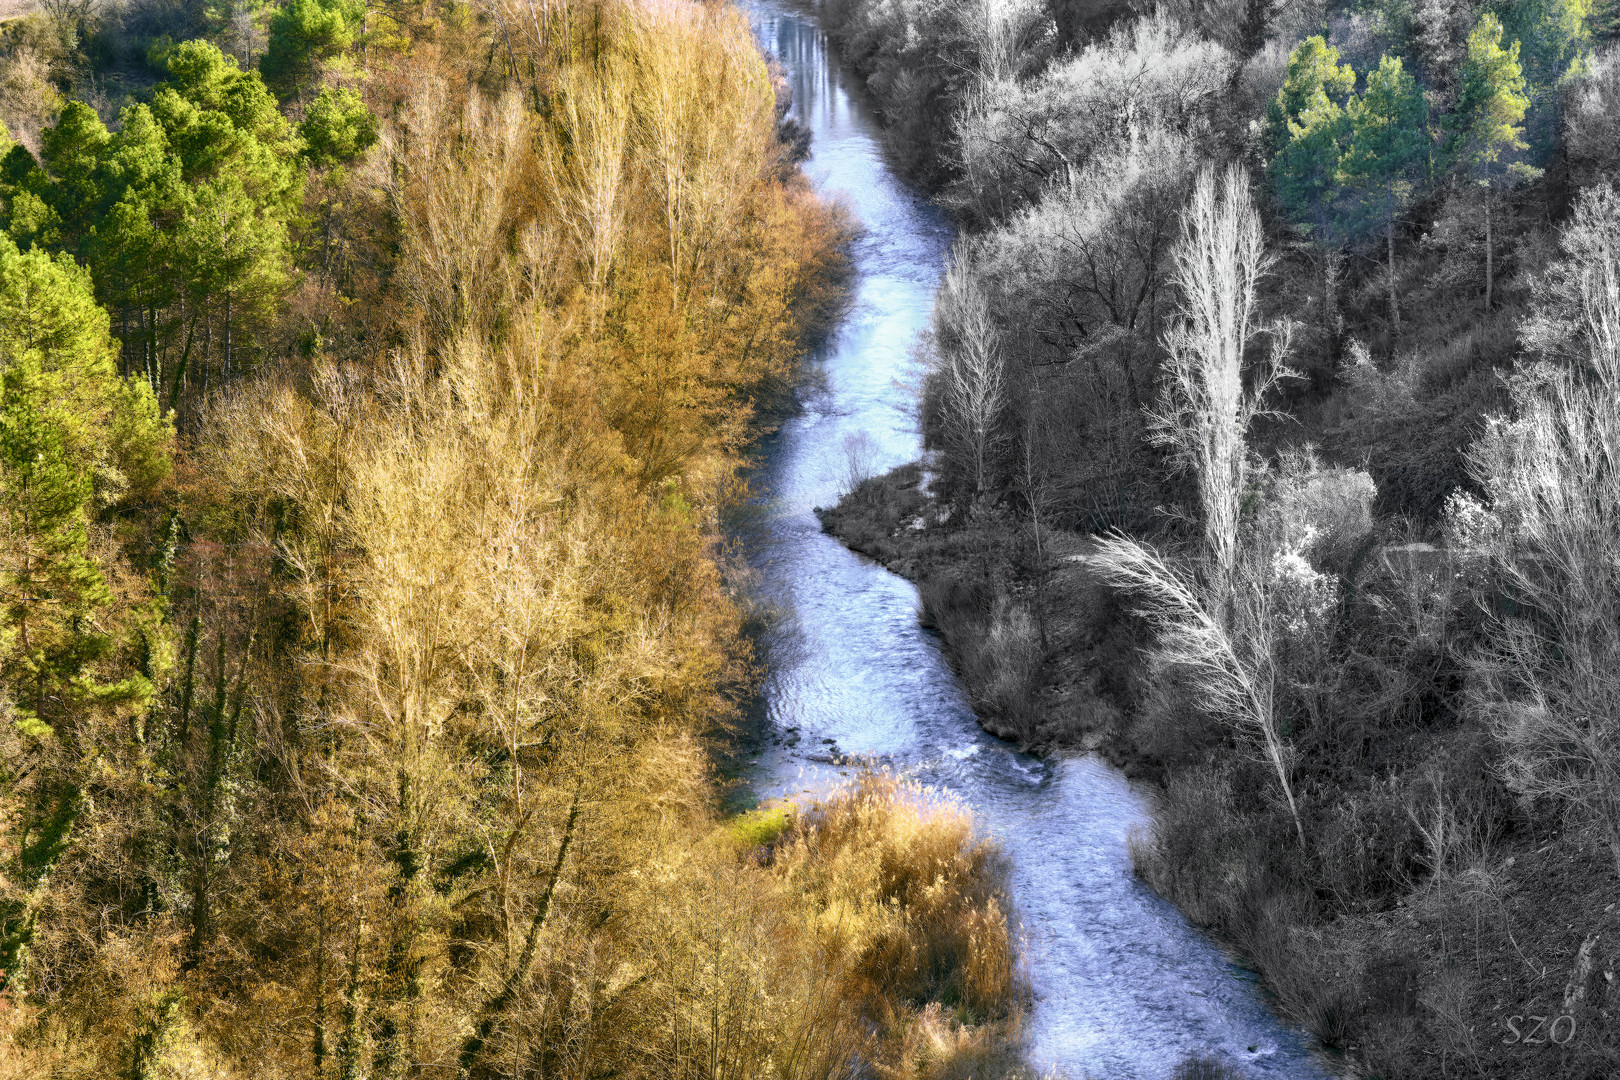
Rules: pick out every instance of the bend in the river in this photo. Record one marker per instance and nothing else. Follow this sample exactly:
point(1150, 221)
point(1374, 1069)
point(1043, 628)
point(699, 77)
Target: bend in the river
point(1125, 987)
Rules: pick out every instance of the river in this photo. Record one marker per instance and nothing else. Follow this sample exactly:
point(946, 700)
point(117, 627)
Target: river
point(1124, 986)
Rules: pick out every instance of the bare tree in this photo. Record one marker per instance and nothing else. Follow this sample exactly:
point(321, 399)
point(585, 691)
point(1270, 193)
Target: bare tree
point(1549, 679)
point(586, 166)
point(1207, 409)
point(970, 371)
point(1228, 656)
point(860, 460)
point(1214, 619)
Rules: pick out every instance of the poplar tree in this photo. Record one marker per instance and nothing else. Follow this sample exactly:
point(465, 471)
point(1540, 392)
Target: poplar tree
point(1487, 128)
point(1388, 141)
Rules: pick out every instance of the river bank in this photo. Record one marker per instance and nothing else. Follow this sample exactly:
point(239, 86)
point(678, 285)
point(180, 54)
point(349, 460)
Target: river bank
point(1044, 651)
point(1450, 973)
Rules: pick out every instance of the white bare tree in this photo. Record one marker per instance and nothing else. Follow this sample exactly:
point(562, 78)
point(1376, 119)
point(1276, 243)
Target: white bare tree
point(970, 371)
point(1205, 415)
point(1214, 618)
point(1549, 679)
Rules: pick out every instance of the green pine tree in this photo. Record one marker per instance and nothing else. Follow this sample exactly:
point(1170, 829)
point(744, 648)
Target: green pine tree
point(1388, 142)
point(1487, 127)
point(184, 215)
point(1554, 37)
point(337, 129)
point(73, 436)
point(303, 33)
point(132, 253)
point(71, 152)
point(1309, 129)
point(1313, 67)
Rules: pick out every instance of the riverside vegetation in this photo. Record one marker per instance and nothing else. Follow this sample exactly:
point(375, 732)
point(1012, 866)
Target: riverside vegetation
point(372, 378)
point(1272, 404)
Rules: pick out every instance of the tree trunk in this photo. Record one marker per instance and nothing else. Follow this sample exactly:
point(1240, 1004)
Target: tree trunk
point(1490, 253)
point(319, 1024)
point(180, 368)
point(1394, 306)
point(349, 1045)
point(496, 1006)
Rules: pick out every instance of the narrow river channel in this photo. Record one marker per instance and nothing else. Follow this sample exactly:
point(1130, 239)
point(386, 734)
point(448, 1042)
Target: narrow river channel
point(1125, 987)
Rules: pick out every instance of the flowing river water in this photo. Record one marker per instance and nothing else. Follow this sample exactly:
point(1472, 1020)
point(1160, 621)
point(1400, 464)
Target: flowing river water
point(1124, 986)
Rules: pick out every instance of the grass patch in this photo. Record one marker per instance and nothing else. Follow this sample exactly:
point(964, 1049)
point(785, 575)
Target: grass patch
point(760, 828)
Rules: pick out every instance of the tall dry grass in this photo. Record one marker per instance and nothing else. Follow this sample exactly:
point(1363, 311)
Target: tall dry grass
point(915, 898)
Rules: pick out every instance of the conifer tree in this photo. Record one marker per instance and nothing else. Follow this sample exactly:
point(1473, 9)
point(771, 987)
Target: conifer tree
point(1487, 128)
point(71, 151)
point(72, 433)
point(1388, 141)
point(1309, 129)
point(302, 34)
point(183, 216)
point(337, 129)
point(1554, 37)
point(1313, 66)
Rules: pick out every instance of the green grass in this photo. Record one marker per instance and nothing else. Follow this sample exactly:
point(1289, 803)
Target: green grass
point(760, 828)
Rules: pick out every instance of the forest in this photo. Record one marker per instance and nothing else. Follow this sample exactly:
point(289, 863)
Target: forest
point(377, 383)
point(1272, 412)
point(373, 378)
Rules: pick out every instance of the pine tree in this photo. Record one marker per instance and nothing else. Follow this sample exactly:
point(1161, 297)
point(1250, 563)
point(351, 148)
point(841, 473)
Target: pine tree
point(337, 129)
point(302, 34)
point(131, 254)
point(1313, 66)
point(1554, 37)
point(184, 215)
point(1388, 141)
point(1309, 129)
point(1487, 128)
point(71, 151)
point(71, 434)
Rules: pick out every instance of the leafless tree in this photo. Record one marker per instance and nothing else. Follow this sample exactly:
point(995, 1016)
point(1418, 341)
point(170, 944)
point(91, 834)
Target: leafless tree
point(1549, 680)
point(970, 370)
point(1214, 619)
point(1207, 409)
